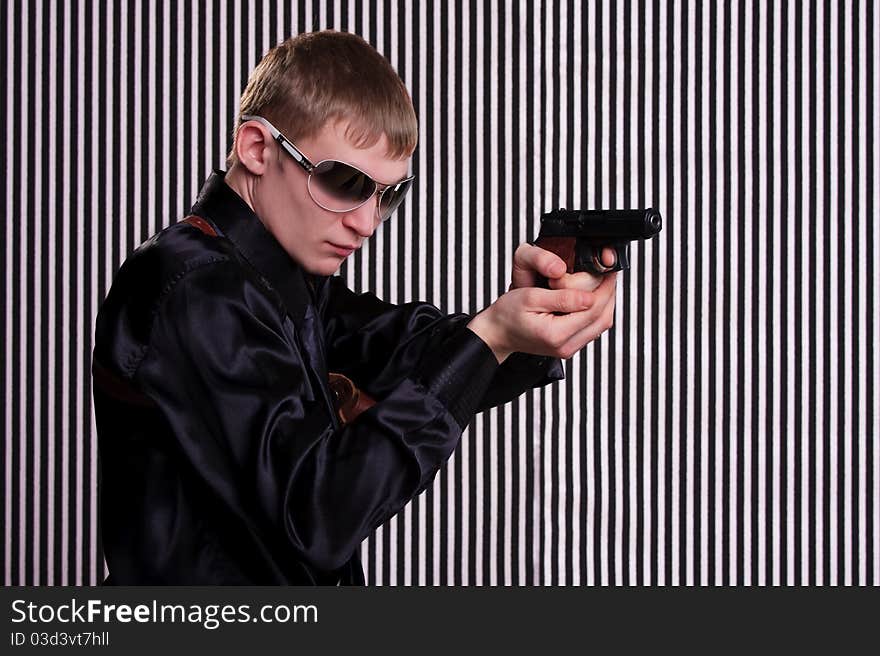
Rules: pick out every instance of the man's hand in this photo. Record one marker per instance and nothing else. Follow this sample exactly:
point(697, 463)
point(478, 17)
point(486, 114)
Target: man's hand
point(530, 262)
point(524, 320)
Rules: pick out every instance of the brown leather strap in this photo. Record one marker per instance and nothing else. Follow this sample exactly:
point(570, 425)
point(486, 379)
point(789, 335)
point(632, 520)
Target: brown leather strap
point(201, 224)
point(350, 401)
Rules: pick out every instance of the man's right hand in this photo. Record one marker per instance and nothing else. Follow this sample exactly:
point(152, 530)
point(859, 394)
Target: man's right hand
point(524, 320)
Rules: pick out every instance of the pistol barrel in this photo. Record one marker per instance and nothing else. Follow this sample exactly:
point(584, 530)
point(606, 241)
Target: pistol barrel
point(607, 224)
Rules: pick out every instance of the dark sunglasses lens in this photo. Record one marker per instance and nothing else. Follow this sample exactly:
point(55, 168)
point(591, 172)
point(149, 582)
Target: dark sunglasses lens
point(393, 197)
point(338, 186)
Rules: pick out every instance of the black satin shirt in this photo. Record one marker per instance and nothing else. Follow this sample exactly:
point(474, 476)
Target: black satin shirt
point(222, 459)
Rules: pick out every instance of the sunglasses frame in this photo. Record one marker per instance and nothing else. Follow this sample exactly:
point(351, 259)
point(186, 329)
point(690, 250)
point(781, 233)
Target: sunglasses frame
point(300, 158)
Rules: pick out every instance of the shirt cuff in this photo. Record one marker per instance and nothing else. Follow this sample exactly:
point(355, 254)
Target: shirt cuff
point(458, 372)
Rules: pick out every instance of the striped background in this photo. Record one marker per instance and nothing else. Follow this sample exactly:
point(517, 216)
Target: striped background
point(725, 431)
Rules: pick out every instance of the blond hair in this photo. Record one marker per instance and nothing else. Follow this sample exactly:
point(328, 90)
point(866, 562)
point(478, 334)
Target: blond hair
point(309, 80)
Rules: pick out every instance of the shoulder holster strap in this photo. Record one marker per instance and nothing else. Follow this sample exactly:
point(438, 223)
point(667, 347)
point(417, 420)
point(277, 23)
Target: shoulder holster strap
point(348, 400)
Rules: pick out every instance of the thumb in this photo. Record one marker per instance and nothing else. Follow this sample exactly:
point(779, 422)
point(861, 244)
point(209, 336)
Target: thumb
point(531, 259)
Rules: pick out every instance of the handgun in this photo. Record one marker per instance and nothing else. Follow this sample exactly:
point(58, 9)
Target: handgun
point(578, 236)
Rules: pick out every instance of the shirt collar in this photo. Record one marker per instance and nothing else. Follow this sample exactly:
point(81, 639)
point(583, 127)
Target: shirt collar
point(228, 211)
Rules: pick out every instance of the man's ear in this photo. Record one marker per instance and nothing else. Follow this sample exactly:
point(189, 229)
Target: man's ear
point(252, 147)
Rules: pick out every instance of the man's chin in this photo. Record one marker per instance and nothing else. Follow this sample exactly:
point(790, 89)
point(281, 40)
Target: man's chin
point(324, 268)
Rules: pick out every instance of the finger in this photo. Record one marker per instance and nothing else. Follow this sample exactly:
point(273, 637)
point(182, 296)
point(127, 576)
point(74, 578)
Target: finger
point(609, 257)
point(607, 286)
point(582, 280)
point(562, 329)
point(558, 300)
point(594, 330)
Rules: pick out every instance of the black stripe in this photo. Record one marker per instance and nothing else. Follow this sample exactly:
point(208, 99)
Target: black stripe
point(852, 558)
point(699, 248)
point(870, 310)
point(842, 392)
point(669, 235)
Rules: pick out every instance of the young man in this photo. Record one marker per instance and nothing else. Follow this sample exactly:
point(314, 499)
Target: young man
point(226, 456)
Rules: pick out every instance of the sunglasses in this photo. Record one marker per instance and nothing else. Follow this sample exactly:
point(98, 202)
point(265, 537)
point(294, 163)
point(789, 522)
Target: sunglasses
point(338, 186)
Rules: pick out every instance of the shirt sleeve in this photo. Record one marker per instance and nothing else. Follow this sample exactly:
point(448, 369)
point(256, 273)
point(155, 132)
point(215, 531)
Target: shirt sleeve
point(376, 343)
point(226, 368)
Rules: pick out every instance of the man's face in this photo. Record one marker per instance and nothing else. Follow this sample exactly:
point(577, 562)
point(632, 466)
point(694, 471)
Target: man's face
point(313, 236)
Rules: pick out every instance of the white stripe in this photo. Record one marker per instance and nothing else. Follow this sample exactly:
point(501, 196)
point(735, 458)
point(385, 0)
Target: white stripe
point(181, 191)
point(406, 262)
point(137, 112)
point(778, 427)
point(804, 310)
point(22, 317)
point(875, 287)
point(676, 283)
point(861, 254)
point(67, 217)
point(707, 150)
point(37, 299)
point(434, 241)
point(693, 225)
point(52, 320)
point(83, 576)
point(467, 213)
point(649, 309)
point(477, 437)
point(846, 266)
point(748, 310)
point(499, 253)
point(577, 138)
point(196, 51)
point(720, 200)
point(378, 545)
point(819, 252)
point(523, 432)
point(636, 431)
point(732, 272)
point(562, 167)
point(761, 211)
point(830, 346)
point(791, 244)
point(603, 201)
point(542, 90)
point(150, 173)
point(587, 360)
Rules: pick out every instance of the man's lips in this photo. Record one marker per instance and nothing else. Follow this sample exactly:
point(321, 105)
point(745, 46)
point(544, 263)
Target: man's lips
point(342, 249)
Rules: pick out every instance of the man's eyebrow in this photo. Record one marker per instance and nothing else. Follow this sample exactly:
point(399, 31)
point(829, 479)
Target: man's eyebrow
point(382, 185)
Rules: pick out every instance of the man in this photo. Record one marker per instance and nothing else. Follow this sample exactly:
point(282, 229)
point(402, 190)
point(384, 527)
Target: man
point(226, 457)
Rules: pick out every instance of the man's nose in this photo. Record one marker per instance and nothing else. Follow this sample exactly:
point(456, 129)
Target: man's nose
point(363, 220)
